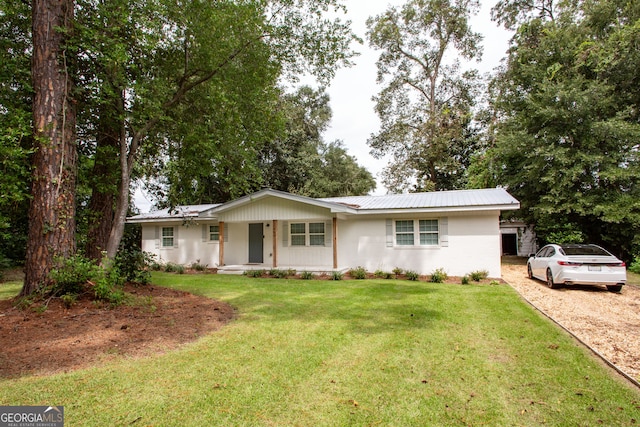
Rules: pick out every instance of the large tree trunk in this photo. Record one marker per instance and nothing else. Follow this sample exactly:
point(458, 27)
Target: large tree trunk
point(105, 182)
point(52, 208)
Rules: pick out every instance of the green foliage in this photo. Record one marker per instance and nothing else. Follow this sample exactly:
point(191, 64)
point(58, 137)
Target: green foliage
point(254, 273)
point(566, 145)
point(412, 275)
point(439, 276)
point(358, 273)
point(464, 280)
point(397, 271)
point(425, 105)
point(478, 275)
point(68, 300)
point(336, 275)
point(306, 275)
point(281, 274)
point(171, 267)
point(635, 265)
point(71, 275)
point(382, 274)
point(197, 266)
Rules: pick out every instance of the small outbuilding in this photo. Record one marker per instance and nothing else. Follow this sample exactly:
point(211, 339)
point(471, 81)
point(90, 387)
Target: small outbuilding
point(457, 231)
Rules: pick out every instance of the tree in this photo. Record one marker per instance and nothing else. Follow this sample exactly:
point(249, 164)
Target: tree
point(52, 208)
point(196, 43)
point(288, 159)
point(566, 140)
point(15, 121)
point(425, 106)
point(299, 161)
point(335, 173)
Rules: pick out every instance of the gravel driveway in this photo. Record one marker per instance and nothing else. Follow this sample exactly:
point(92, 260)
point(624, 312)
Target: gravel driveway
point(608, 322)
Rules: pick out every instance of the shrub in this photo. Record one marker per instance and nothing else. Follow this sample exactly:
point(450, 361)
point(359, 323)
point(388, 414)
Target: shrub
point(382, 274)
point(282, 274)
point(171, 267)
point(254, 273)
point(479, 275)
point(336, 275)
point(197, 266)
point(69, 300)
point(412, 275)
point(465, 280)
point(397, 271)
point(358, 273)
point(635, 265)
point(133, 264)
point(439, 276)
point(306, 275)
point(71, 275)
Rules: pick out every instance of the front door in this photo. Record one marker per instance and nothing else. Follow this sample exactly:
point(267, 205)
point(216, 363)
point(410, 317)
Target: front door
point(256, 238)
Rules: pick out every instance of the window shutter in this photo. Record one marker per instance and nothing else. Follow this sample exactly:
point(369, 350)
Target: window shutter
point(389, 233)
point(444, 231)
point(175, 236)
point(226, 232)
point(157, 237)
point(205, 232)
point(285, 233)
point(328, 233)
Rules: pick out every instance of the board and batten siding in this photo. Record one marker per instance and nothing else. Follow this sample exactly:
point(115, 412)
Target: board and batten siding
point(270, 208)
point(472, 243)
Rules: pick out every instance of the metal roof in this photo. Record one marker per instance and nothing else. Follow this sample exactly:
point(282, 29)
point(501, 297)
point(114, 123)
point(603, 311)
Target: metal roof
point(437, 201)
point(497, 197)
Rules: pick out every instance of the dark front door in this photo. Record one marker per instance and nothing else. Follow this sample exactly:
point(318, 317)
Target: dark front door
point(256, 243)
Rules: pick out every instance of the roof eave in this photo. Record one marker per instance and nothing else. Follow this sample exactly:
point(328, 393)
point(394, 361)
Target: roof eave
point(439, 209)
point(333, 207)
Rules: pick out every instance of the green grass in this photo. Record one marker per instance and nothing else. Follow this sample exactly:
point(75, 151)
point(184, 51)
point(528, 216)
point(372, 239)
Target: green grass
point(337, 353)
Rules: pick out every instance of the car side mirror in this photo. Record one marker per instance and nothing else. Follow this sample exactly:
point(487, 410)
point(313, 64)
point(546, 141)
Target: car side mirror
point(532, 255)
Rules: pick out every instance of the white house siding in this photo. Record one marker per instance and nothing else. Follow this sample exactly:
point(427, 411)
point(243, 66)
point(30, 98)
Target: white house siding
point(269, 208)
point(473, 244)
point(189, 246)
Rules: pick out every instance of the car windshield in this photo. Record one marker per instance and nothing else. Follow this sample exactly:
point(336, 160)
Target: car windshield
point(584, 250)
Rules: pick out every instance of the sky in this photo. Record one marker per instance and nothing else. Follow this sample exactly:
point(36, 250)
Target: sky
point(354, 118)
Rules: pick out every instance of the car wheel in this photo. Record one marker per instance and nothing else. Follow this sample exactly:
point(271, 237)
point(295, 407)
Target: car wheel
point(550, 279)
point(614, 288)
point(529, 271)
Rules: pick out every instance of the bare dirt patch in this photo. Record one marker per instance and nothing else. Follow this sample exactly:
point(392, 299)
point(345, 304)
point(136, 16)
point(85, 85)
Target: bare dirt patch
point(608, 322)
point(61, 339)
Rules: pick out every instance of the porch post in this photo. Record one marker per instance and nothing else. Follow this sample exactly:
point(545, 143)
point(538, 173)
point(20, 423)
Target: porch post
point(274, 225)
point(335, 242)
point(221, 247)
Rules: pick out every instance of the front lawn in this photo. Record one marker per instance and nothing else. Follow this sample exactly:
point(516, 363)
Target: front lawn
point(361, 352)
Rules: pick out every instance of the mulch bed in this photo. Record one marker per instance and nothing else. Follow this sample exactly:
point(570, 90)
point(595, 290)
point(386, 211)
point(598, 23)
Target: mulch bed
point(38, 340)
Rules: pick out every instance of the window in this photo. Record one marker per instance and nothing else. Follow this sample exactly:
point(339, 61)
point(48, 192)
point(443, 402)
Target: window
point(428, 232)
point(167, 237)
point(214, 233)
point(404, 233)
point(298, 234)
point(316, 234)
point(307, 234)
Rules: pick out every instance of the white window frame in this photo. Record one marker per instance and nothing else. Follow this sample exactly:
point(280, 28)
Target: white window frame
point(416, 231)
point(163, 236)
point(307, 234)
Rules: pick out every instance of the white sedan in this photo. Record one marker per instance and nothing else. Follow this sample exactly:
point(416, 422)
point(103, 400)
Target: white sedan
point(577, 264)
